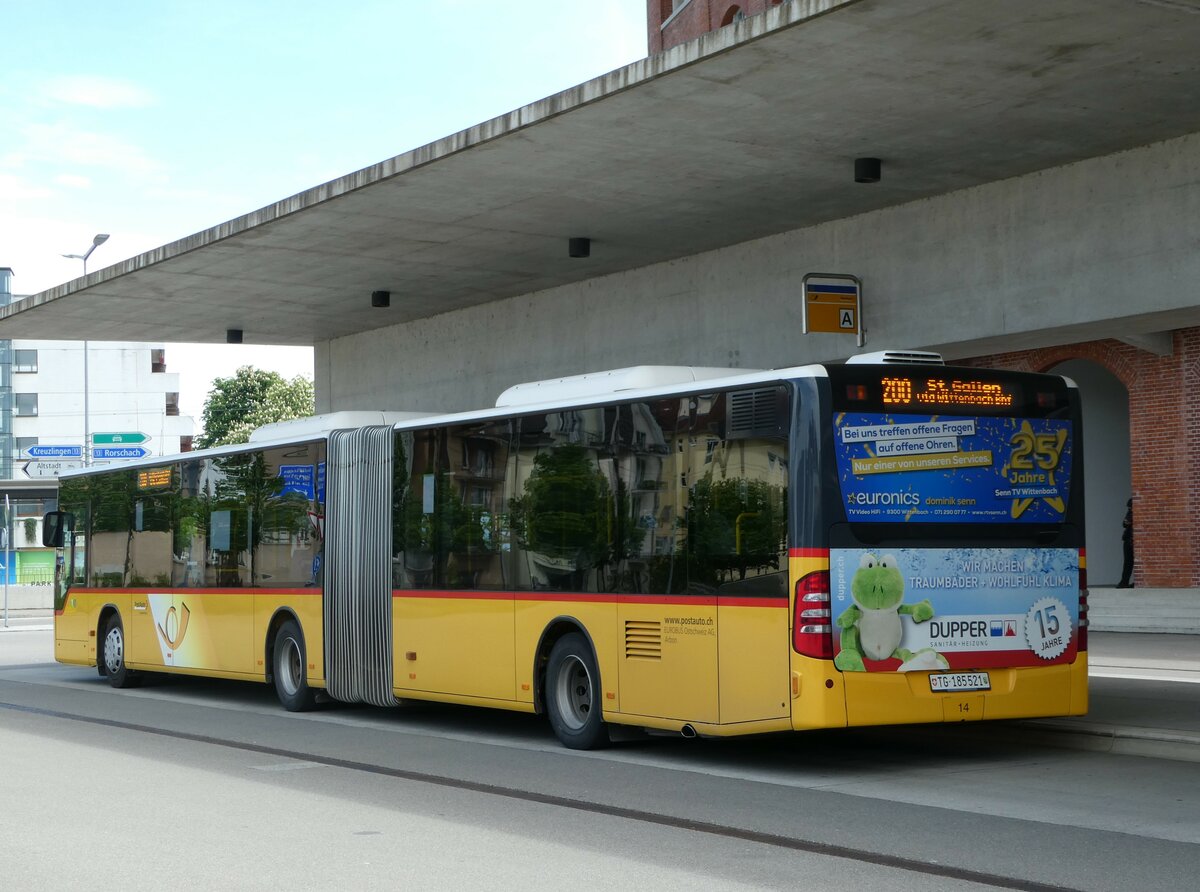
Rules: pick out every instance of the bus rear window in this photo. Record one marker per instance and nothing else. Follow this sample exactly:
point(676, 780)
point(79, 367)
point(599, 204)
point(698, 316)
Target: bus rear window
point(927, 468)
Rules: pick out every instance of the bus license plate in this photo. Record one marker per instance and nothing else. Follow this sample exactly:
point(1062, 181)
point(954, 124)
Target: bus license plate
point(960, 681)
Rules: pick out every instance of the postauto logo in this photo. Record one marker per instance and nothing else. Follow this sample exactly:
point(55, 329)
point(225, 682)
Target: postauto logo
point(883, 499)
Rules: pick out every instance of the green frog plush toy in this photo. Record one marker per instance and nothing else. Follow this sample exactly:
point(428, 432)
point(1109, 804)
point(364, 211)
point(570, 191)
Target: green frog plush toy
point(871, 626)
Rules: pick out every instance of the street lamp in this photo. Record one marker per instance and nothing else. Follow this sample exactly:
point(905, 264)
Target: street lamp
point(97, 240)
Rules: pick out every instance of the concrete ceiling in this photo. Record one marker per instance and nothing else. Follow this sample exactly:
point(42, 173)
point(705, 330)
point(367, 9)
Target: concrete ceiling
point(749, 131)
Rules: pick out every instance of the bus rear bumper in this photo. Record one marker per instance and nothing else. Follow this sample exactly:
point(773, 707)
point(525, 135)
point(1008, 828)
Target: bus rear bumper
point(908, 698)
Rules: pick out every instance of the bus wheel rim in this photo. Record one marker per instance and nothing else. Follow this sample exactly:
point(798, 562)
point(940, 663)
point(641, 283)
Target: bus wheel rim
point(114, 650)
point(573, 693)
point(290, 669)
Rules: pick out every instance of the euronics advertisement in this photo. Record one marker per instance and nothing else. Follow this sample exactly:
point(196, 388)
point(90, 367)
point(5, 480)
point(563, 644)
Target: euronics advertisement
point(953, 469)
point(954, 608)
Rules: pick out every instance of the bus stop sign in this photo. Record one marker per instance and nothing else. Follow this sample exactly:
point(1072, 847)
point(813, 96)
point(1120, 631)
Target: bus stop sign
point(833, 304)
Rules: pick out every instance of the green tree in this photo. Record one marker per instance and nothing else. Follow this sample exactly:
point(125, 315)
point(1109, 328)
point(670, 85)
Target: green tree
point(734, 527)
point(251, 398)
point(565, 511)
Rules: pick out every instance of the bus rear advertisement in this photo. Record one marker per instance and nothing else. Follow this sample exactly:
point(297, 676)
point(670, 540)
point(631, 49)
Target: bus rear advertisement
point(704, 551)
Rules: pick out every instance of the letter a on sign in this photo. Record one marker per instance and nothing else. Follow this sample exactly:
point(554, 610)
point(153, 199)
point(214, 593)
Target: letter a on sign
point(833, 304)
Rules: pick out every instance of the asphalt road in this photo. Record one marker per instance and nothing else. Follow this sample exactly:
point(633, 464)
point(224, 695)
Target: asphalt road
point(191, 784)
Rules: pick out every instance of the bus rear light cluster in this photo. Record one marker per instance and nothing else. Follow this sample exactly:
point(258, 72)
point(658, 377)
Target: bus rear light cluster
point(1083, 609)
point(812, 626)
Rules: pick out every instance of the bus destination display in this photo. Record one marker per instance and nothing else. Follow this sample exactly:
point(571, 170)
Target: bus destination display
point(906, 391)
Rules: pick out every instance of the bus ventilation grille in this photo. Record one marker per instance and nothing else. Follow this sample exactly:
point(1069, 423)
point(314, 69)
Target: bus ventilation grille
point(643, 640)
point(754, 413)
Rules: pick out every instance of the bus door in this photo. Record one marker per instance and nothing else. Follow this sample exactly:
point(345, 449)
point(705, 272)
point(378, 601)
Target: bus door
point(718, 650)
point(143, 644)
point(452, 609)
point(71, 620)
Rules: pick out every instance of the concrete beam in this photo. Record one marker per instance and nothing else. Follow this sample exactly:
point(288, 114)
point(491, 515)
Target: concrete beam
point(1160, 343)
point(745, 133)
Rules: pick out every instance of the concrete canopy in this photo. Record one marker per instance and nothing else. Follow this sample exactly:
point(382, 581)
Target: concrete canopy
point(747, 132)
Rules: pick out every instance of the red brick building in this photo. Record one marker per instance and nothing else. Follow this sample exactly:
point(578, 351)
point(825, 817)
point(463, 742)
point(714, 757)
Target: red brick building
point(672, 22)
point(1163, 426)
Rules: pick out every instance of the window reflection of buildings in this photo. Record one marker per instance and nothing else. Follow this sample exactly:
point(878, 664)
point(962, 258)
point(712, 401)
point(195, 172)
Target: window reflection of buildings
point(606, 509)
point(221, 522)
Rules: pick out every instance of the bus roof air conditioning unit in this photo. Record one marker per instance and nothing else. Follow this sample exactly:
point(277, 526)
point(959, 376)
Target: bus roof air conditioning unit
point(612, 381)
point(897, 357)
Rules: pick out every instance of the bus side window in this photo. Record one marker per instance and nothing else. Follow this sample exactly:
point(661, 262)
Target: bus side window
point(737, 501)
point(645, 557)
point(563, 512)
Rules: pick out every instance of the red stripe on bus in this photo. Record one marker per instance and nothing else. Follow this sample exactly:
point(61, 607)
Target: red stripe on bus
point(568, 597)
point(196, 591)
point(698, 600)
point(808, 552)
point(752, 602)
point(591, 598)
point(470, 595)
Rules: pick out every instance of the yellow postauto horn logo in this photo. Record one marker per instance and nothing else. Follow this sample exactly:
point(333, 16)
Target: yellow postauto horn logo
point(177, 624)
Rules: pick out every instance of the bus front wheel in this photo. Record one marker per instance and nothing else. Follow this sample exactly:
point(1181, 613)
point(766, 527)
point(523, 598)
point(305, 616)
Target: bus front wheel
point(573, 694)
point(113, 656)
point(290, 669)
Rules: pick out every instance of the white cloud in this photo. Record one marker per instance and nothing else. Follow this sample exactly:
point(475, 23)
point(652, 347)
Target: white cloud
point(14, 189)
point(97, 92)
point(63, 144)
point(73, 181)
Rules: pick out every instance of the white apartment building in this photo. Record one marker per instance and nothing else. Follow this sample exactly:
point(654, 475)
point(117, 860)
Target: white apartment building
point(130, 403)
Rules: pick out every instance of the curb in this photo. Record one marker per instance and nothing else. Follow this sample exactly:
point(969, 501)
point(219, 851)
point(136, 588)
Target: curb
point(1067, 734)
point(1118, 740)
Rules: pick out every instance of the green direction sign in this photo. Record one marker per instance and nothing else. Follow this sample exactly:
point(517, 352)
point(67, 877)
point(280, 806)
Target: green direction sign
point(123, 437)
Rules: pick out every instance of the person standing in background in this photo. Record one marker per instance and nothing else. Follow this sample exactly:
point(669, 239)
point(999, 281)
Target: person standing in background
point(1127, 542)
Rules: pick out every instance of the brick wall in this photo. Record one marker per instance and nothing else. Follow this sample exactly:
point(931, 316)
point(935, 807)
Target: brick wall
point(1164, 445)
point(694, 18)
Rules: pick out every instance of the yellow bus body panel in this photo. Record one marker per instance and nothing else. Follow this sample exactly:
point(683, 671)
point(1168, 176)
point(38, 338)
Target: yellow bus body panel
point(752, 658)
point(668, 660)
point(196, 631)
point(598, 618)
point(894, 698)
point(818, 697)
point(461, 646)
point(309, 609)
point(76, 632)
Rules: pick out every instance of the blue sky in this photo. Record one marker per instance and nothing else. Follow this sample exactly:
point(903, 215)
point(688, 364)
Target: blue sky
point(154, 120)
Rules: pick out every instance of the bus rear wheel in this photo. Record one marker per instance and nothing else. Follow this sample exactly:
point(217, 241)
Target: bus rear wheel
point(573, 694)
point(290, 669)
point(112, 655)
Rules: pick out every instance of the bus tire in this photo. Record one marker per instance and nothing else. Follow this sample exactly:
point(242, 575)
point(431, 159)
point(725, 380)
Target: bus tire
point(289, 669)
point(112, 655)
point(573, 694)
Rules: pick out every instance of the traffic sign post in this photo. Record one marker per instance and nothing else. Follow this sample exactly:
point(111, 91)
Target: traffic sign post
point(833, 304)
point(126, 438)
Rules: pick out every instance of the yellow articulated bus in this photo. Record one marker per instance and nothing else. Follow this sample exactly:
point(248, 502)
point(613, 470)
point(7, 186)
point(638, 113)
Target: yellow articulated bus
point(702, 551)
